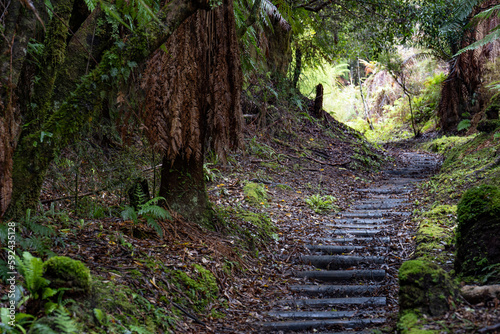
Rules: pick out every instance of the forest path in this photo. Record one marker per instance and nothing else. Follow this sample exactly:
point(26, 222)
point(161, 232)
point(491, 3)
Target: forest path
point(347, 292)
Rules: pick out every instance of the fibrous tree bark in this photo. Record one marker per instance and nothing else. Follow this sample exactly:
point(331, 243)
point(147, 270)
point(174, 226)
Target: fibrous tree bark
point(460, 93)
point(193, 104)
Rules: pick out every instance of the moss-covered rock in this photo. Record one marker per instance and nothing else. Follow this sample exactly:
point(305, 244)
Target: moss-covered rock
point(64, 272)
point(478, 237)
point(425, 287)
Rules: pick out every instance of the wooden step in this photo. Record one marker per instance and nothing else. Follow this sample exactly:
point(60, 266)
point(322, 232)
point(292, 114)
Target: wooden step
point(355, 227)
point(343, 275)
point(327, 249)
point(321, 314)
point(335, 290)
point(328, 302)
point(360, 232)
point(310, 324)
point(359, 240)
point(339, 261)
point(373, 214)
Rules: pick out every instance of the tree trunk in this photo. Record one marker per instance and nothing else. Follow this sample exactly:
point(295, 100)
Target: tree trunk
point(318, 101)
point(193, 103)
point(279, 52)
point(183, 186)
point(364, 101)
point(461, 96)
point(19, 25)
point(298, 67)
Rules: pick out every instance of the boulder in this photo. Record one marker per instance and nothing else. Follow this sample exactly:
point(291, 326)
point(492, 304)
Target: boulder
point(478, 231)
point(425, 287)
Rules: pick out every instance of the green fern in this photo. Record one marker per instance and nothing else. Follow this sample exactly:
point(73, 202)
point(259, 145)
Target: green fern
point(31, 269)
point(91, 4)
point(130, 214)
point(150, 212)
point(463, 125)
point(321, 204)
point(58, 323)
point(139, 330)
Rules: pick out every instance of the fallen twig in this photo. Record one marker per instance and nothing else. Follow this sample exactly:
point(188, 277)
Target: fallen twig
point(489, 328)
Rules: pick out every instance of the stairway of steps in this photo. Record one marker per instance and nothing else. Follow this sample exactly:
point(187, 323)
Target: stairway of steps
point(345, 293)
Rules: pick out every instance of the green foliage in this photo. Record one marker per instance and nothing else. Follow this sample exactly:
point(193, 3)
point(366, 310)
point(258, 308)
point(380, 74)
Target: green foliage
point(211, 173)
point(201, 286)
point(339, 101)
point(322, 204)
point(255, 194)
point(64, 269)
point(479, 203)
point(148, 211)
point(463, 125)
point(132, 14)
point(59, 322)
point(492, 36)
point(31, 268)
point(444, 144)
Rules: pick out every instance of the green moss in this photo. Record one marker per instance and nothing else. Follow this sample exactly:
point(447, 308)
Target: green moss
point(445, 144)
point(113, 308)
point(411, 322)
point(63, 271)
point(489, 125)
point(422, 283)
point(478, 224)
point(479, 203)
point(441, 211)
point(255, 194)
point(284, 186)
point(201, 286)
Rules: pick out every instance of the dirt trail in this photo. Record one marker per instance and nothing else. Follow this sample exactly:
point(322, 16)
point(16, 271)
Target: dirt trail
point(349, 289)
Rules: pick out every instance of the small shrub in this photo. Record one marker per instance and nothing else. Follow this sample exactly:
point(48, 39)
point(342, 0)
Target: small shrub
point(322, 204)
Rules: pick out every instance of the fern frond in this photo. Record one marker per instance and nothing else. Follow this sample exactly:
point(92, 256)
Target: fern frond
point(31, 269)
point(154, 225)
point(129, 214)
point(154, 211)
point(483, 16)
point(63, 322)
point(91, 4)
point(41, 328)
point(4, 270)
point(4, 234)
point(153, 201)
point(491, 37)
point(465, 8)
point(35, 244)
point(139, 330)
point(268, 8)
point(39, 229)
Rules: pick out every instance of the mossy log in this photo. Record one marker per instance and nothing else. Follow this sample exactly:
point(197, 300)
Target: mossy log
point(478, 240)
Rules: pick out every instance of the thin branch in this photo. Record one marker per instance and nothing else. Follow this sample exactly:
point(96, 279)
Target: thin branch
point(72, 33)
